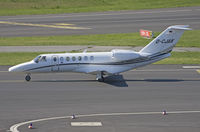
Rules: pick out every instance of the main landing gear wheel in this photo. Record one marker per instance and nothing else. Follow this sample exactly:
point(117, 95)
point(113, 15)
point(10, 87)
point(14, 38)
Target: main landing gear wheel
point(100, 77)
point(28, 78)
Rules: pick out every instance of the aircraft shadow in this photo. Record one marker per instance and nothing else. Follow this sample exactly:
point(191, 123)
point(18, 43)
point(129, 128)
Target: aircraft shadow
point(115, 80)
point(156, 80)
point(63, 81)
point(118, 80)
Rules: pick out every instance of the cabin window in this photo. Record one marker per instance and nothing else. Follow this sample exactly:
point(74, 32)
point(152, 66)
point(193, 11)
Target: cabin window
point(79, 58)
point(54, 59)
point(67, 59)
point(85, 58)
point(91, 57)
point(73, 58)
point(61, 59)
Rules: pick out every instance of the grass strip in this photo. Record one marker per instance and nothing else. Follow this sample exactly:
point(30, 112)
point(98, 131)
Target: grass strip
point(189, 39)
point(182, 58)
point(176, 58)
point(30, 7)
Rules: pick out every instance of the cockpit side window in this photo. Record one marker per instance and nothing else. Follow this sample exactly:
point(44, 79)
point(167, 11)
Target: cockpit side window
point(43, 59)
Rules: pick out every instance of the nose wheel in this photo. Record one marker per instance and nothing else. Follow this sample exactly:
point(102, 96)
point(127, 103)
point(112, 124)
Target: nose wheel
point(28, 77)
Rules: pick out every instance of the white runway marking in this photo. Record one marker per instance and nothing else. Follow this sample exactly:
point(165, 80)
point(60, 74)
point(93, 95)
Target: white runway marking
point(86, 124)
point(14, 128)
point(191, 67)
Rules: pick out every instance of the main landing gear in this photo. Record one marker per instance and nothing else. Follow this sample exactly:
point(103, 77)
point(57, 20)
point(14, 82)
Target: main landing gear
point(28, 77)
point(99, 77)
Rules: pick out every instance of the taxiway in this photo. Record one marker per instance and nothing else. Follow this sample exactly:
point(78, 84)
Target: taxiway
point(98, 22)
point(149, 89)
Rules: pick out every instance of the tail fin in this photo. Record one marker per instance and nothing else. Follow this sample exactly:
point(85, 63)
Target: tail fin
point(165, 41)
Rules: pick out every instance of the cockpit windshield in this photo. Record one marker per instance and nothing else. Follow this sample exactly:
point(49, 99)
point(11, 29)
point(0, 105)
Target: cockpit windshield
point(36, 60)
point(40, 59)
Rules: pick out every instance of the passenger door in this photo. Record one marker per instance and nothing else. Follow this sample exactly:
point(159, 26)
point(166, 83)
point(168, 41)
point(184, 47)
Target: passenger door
point(55, 63)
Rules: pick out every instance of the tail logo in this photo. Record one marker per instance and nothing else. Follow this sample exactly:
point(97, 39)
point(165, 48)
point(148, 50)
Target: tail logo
point(164, 41)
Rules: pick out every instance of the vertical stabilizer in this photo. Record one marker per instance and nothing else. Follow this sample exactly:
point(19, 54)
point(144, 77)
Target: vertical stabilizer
point(165, 41)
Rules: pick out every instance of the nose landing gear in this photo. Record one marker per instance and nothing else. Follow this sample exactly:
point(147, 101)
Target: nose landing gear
point(28, 77)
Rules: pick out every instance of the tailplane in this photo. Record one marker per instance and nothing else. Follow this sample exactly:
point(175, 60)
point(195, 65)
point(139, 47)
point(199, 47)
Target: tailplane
point(165, 42)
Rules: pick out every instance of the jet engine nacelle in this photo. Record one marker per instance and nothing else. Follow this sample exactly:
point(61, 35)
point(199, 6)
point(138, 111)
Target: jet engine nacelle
point(124, 54)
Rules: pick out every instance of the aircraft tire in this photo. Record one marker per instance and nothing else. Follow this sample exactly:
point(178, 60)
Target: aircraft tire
point(101, 79)
point(28, 78)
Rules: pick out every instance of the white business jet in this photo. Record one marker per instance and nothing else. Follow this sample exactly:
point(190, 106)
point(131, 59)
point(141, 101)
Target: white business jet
point(104, 63)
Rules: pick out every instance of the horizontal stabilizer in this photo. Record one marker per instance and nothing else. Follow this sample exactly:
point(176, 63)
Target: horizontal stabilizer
point(181, 27)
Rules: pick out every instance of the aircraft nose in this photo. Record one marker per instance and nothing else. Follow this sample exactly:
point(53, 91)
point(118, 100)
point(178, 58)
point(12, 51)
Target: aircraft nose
point(14, 69)
point(11, 69)
point(18, 68)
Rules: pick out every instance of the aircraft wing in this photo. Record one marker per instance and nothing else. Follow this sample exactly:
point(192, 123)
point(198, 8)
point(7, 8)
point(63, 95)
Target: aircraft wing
point(93, 70)
point(104, 72)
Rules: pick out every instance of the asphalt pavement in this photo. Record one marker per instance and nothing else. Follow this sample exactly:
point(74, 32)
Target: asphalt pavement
point(134, 95)
point(99, 22)
point(153, 88)
point(81, 48)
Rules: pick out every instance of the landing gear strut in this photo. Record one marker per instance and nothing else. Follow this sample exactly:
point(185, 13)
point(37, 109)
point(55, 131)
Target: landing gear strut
point(100, 77)
point(28, 77)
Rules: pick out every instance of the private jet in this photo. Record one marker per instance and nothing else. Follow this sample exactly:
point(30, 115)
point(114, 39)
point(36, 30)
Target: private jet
point(104, 63)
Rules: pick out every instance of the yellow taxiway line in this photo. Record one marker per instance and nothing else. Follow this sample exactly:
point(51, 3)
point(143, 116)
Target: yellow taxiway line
point(198, 71)
point(63, 26)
